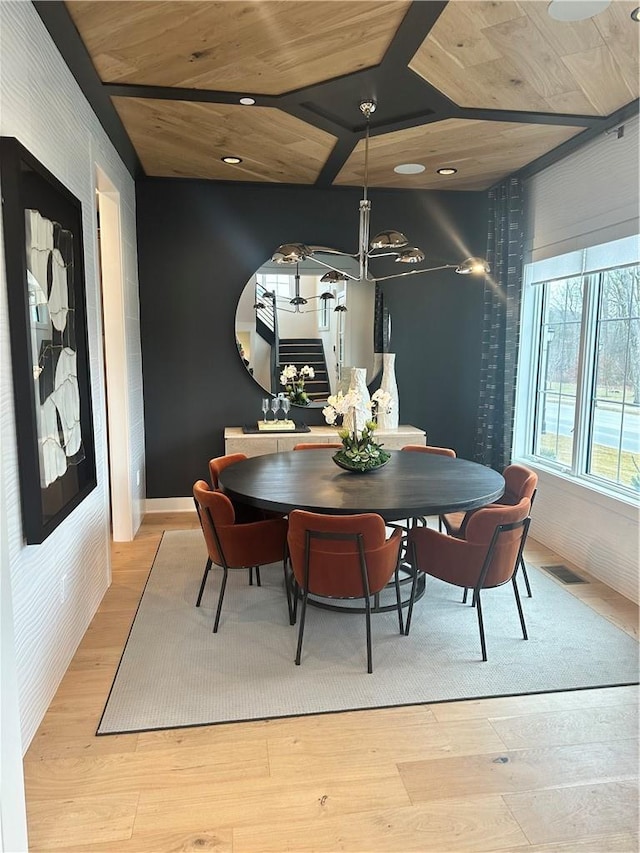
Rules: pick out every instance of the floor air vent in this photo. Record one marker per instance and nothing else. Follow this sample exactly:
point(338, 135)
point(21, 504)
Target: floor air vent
point(564, 574)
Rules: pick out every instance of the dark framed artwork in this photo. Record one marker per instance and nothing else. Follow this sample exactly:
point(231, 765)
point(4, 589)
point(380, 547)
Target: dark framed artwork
point(44, 257)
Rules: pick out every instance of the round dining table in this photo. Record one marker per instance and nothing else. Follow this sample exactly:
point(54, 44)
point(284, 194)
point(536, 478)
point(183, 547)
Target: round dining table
point(410, 485)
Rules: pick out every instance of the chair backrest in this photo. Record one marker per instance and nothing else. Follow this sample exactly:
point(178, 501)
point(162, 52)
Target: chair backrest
point(520, 482)
point(430, 448)
point(499, 532)
point(216, 514)
point(219, 463)
point(334, 546)
point(303, 446)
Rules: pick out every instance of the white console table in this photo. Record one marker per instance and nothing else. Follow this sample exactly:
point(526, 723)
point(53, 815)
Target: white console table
point(257, 444)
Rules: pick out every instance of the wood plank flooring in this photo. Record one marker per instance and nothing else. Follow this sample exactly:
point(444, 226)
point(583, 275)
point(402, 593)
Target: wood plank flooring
point(550, 773)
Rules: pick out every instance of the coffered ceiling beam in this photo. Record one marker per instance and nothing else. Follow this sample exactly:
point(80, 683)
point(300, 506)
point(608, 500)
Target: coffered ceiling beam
point(614, 120)
point(66, 38)
point(564, 119)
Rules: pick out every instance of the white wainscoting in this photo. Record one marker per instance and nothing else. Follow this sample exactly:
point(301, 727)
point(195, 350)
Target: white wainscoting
point(594, 531)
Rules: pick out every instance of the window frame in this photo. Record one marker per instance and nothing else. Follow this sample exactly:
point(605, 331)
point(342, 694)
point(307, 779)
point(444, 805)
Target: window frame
point(530, 365)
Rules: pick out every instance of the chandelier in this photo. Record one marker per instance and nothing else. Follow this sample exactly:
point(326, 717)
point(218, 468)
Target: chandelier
point(386, 244)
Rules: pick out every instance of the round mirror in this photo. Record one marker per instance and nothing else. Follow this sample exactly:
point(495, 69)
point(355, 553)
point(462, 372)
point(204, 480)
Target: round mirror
point(299, 337)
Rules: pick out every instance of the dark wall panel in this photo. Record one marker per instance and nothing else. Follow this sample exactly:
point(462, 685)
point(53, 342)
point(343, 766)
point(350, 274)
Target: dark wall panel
point(198, 244)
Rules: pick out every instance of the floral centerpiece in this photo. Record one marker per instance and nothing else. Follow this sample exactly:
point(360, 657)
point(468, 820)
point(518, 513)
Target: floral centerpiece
point(293, 381)
point(360, 451)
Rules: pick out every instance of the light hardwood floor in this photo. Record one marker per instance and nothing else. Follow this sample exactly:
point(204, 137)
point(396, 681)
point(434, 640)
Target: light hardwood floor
point(553, 772)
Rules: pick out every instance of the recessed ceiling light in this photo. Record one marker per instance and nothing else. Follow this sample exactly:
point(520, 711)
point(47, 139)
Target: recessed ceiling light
point(576, 10)
point(247, 102)
point(635, 15)
point(446, 170)
point(409, 168)
point(232, 161)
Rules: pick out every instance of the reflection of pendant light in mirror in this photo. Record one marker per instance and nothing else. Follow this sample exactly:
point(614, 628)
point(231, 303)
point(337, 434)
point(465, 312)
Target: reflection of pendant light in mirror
point(298, 301)
point(391, 243)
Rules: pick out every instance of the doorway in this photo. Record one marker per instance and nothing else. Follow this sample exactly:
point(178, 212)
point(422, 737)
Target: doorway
point(111, 273)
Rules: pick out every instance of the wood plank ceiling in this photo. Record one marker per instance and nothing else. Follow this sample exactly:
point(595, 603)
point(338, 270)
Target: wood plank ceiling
point(487, 88)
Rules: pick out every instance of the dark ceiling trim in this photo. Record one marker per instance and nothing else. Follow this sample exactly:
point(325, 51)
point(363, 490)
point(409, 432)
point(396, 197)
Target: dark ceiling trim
point(65, 36)
point(413, 30)
point(308, 105)
point(336, 160)
point(571, 145)
point(175, 93)
point(561, 119)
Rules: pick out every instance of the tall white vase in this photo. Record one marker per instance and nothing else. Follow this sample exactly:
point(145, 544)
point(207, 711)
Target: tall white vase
point(362, 412)
point(389, 420)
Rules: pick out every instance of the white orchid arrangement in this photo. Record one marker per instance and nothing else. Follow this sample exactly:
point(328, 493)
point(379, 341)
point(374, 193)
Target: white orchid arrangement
point(360, 452)
point(293, 381)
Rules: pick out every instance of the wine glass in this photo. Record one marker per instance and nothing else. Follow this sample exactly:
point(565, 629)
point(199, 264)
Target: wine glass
point(265, 408)
point(275, 405)
point(286, 405)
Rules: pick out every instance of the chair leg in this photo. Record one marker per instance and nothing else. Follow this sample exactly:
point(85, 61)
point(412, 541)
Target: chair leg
point(367, 606)
point(520, 613)
point(483, 644)
point(287, 589)
point(221, 596)
point(303, 614)
point(412, 598)
point(204, 581)
point(525, 576)
point(258, 581)
point(464, 595)
point(398, 601)
point(250, 575)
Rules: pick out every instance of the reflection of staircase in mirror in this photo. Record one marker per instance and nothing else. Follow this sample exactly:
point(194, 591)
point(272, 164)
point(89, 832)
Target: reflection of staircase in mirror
point(301, 351)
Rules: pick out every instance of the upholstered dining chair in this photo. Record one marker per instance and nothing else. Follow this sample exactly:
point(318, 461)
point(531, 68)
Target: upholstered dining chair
point(438, 451)
point(519, 482)
point(342, 556)
point(487, 557)
point(303, 446)
point(430, 448)
point(231, 545)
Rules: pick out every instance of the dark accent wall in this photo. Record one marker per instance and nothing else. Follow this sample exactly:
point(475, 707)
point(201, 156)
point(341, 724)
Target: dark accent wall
point(198, 244)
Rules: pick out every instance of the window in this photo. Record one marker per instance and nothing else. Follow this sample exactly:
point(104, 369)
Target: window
point(278, 283)
point(580, 363)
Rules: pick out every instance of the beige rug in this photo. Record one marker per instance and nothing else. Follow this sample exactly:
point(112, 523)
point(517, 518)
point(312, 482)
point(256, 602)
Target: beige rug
point(175, 672)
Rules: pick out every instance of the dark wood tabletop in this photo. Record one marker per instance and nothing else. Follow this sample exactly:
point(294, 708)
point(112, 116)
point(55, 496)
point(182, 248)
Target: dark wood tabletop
point(410, 485)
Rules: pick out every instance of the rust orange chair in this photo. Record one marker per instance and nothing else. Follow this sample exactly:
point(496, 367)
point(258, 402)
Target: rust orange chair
point(303, 446)
point(430, 448)
point(520, 482)
point(234, 546)
point(438, 451)
point(487, 557)
point(244, 512)
point(342, 556)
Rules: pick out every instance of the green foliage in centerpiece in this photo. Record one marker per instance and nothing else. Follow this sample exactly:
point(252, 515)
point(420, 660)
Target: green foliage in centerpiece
point(360, 451)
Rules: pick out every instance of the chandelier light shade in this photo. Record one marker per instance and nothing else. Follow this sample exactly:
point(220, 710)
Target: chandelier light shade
point(473, 266)
point(391, 244)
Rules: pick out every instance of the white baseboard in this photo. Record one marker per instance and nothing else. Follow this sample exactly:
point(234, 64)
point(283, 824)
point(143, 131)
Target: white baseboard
point(169, 505)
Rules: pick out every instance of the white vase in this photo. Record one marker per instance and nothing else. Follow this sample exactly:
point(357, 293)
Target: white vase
point(389, 420)
point(362, 412)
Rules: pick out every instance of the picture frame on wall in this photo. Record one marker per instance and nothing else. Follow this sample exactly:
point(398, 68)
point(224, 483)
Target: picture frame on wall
point(44, 259)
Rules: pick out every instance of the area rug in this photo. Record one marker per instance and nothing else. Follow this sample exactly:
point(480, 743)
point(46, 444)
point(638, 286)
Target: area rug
point(175, 672)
